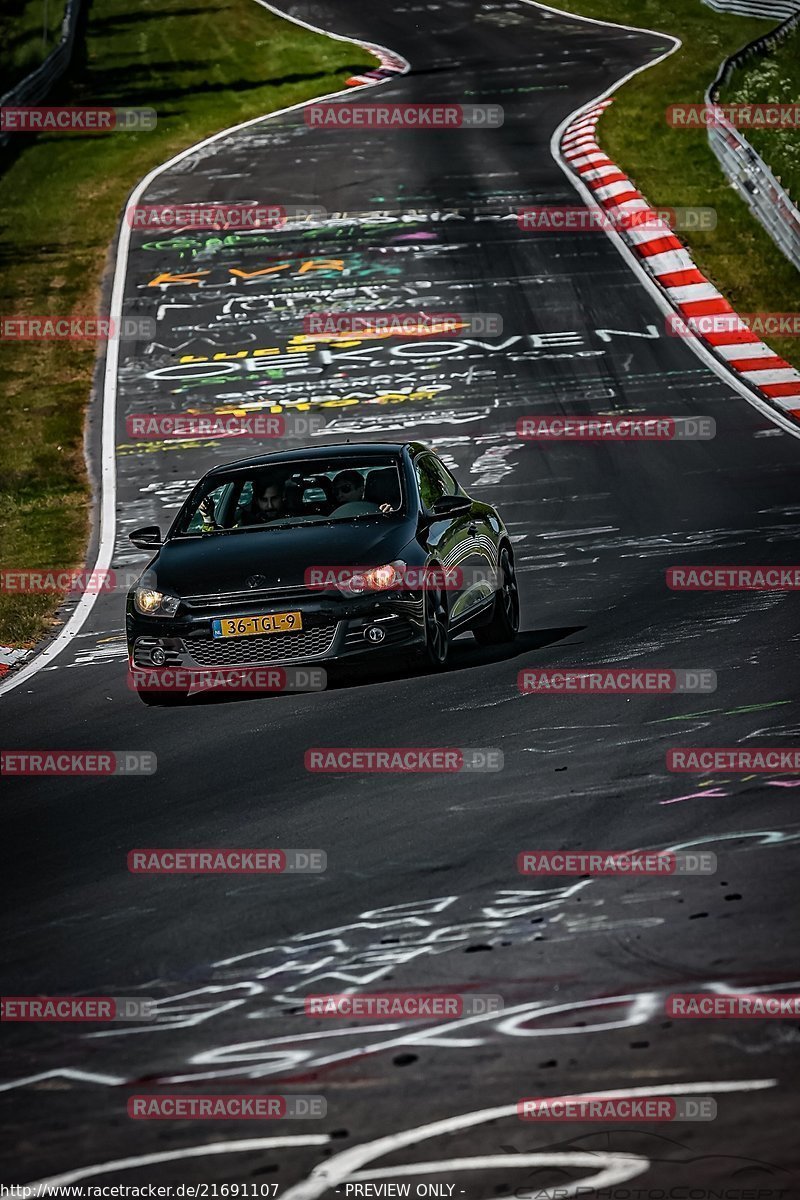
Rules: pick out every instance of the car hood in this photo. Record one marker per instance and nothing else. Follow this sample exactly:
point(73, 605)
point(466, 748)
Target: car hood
point(224, 562)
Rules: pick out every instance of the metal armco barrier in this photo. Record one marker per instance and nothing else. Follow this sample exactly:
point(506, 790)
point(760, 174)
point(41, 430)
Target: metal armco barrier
point(34, 87)
point(780, 9)
point(746, 170)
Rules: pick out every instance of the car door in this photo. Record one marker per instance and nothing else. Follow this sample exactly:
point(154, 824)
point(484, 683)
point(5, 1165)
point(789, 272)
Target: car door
point(453, 540)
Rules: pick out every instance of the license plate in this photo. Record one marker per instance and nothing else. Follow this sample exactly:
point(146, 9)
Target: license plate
point(226, 627)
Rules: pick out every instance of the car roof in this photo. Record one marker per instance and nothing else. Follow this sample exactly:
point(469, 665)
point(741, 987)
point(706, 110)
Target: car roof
point(336, 450)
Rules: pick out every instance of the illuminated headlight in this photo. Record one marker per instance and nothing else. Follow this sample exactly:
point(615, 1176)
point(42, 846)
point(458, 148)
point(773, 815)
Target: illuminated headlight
point(376, 579)
point(152, 603)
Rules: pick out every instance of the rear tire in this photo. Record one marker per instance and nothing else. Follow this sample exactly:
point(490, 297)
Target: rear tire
point(504, 625)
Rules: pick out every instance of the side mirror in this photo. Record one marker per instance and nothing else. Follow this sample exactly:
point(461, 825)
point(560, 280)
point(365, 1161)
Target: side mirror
point(147, 538)
point(452, 506)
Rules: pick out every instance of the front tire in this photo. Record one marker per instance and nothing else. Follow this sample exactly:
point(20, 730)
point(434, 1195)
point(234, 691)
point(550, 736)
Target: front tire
point(437, 628)
point(504, 625)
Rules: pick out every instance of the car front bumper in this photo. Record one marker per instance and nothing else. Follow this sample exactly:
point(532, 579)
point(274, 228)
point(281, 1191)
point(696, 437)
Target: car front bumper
point(332, 630)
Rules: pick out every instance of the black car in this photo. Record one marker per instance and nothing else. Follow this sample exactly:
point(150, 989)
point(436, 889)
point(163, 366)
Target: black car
point(317, 556)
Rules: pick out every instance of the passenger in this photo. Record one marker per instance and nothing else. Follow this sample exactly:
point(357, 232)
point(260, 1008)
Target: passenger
point(348, 488)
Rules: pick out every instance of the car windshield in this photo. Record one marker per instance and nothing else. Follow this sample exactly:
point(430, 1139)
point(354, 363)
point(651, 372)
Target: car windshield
point(315, 491)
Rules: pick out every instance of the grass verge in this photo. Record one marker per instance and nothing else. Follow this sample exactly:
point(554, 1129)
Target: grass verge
point(676, 167)
point(203, 68)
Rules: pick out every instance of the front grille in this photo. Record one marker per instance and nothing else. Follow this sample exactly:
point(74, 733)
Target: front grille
point(250, 597)
point(270, 648)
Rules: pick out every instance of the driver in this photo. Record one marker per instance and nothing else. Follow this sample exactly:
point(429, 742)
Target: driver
point(268, 503)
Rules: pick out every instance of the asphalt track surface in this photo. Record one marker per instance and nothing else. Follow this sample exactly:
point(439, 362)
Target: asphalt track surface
point(421, 889)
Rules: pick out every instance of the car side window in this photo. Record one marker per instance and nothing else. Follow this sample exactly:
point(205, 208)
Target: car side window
point(431, 486)
point(434, 480)
point(448, 482)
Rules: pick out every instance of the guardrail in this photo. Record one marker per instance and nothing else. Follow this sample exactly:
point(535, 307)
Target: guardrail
point(35, 86)
point(780, 9)
point(747, 171)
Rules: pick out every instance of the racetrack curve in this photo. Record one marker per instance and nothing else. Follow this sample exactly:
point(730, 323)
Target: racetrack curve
point(421, 889)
